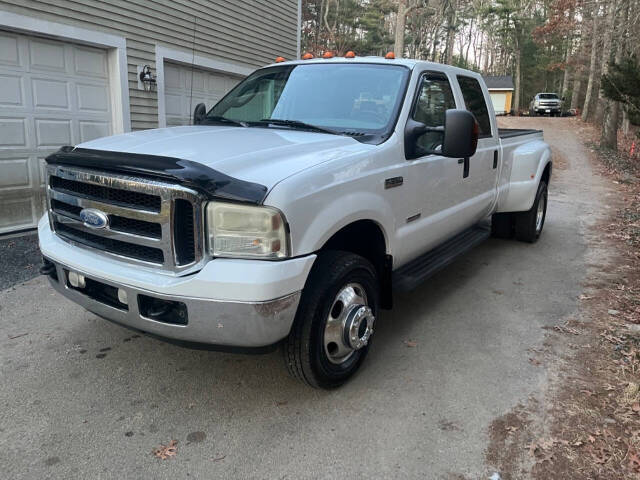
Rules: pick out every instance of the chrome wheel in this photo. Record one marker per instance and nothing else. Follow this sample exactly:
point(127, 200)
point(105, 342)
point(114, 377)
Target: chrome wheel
point(542, 204)
point(349, 324)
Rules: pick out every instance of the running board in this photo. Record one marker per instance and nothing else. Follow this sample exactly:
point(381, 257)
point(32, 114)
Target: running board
point(411, 275)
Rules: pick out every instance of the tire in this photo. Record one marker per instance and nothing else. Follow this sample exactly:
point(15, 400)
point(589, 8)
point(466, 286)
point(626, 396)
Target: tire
point(502, 225)
point(307, 350)
point(529, 225)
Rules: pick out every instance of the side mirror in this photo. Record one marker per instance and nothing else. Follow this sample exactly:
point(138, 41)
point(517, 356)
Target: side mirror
point(460, 136)
point(461, 132)
point(199, 113)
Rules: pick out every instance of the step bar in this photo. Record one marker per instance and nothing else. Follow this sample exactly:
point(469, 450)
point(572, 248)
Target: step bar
point(411, 275)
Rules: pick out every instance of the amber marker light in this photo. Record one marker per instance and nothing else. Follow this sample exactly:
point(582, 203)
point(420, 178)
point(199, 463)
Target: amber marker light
point(307, 56)
point(349, 54)
point(390, 56)
point(327, 55)
point(280, 59)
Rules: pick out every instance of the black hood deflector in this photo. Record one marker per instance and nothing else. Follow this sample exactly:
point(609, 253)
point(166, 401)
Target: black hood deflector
point(201, 178)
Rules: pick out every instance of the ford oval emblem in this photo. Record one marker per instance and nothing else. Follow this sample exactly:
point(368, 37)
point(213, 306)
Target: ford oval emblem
point(93, 218)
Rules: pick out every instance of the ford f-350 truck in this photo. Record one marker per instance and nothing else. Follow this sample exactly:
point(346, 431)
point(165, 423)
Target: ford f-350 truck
point(291, 210)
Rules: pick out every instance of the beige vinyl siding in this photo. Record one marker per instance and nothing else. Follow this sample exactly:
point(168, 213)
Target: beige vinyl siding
point(248, 33)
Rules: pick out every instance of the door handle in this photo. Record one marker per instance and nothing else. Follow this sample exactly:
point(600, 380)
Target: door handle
point(460, 161)
point(495, 159)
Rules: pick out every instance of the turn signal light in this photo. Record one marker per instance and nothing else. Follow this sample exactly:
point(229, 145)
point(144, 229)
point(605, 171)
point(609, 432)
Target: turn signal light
point(349, 54)
point(390, 56)
point(307, 56)
point(280, 59)
point(327, 55)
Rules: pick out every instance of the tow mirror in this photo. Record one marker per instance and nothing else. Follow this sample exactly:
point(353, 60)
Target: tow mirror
point(199, 113)
point(459, 136)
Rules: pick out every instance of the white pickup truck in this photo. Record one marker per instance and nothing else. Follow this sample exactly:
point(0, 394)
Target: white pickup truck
point(292, 209)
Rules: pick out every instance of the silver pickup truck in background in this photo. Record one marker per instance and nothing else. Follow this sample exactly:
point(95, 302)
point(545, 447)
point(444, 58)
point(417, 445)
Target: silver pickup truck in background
point(546, 104)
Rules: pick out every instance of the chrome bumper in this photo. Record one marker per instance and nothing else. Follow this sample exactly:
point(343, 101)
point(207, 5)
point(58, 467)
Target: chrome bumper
point(213, 322)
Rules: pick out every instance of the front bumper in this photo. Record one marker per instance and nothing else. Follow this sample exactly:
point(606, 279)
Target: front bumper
point(229, 312)
point(543, 109)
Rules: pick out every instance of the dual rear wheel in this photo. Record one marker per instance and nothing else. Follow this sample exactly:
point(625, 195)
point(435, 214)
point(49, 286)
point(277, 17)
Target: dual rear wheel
point(524, 226)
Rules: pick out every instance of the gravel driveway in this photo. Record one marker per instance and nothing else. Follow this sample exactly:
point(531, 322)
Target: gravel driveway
point(83, 398)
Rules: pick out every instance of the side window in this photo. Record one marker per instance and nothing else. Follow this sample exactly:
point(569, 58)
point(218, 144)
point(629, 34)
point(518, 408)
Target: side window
point(435, 97)
point(475, 103)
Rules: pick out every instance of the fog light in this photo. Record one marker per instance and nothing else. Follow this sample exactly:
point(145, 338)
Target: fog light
point(122, 296)
point(77, 280)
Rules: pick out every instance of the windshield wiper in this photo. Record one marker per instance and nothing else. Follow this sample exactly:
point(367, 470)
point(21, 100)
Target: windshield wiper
point(217, 118)
point(297, 124)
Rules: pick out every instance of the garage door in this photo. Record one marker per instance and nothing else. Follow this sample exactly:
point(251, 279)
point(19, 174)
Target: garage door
point(52, 94)
point(180, 100)
point(499, 101)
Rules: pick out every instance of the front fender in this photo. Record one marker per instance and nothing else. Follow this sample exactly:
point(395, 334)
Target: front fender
point(339, 213)
point(528, 163)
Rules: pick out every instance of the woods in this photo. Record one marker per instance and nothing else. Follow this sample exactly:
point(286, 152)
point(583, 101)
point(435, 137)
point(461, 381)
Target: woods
point(585, 50)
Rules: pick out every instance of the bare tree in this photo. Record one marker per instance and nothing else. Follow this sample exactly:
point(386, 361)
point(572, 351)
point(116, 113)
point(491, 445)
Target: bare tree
point(608, 35)
point(592, 64)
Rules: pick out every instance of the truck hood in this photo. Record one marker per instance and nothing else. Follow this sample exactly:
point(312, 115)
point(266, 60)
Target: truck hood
point(254, 154)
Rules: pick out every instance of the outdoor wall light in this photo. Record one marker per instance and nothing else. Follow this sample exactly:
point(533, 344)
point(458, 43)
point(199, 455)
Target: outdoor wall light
point(147, 79)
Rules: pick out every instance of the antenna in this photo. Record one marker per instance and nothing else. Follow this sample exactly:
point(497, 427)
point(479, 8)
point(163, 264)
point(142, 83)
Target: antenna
point(193, 60)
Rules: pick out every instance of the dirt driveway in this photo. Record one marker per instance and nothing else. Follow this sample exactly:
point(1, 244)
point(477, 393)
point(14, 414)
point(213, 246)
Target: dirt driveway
point(82, 398)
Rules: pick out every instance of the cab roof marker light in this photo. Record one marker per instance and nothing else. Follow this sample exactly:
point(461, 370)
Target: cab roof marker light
point(307, 56)
point(350, 54)
point(390, 56)
point(328, 54)
point(280, 59)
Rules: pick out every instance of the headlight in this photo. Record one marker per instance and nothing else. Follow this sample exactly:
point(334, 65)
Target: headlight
point(246, 231)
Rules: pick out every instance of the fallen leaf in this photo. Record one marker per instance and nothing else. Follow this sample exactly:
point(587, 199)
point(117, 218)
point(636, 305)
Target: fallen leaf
point(17, 336)
point(166, 451)
point(636, 407)
point(410, 343)
point(591, 438)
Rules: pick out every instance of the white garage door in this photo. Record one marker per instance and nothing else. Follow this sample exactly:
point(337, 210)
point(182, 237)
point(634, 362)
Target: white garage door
point(52, 94)
point(180, 100)
point(499, 101)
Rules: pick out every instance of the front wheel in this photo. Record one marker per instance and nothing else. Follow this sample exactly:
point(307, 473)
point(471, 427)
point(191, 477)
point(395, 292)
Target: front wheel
point(331, 333)
point(528, 225)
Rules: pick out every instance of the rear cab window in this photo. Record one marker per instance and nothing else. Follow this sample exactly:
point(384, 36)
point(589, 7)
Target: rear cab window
point(474, 102)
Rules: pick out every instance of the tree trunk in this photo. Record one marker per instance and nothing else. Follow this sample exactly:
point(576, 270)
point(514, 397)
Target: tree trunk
point(611, 116)
point(516, 87)
point(592, 65)
point(577, 84)
point(567, 73)
point(451, 30)
point(400, 24)
point(606, 57)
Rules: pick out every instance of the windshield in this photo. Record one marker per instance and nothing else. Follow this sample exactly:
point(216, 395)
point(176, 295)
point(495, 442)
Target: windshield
point(548, 96)
point(354, 99)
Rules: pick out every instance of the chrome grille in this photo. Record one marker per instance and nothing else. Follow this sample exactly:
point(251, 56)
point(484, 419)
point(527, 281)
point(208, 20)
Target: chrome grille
point(150, 222)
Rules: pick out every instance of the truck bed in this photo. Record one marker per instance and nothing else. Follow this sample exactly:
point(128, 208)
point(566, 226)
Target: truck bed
point(516, 132)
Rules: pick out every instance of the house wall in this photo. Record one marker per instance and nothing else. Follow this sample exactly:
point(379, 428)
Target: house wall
point(243, 33)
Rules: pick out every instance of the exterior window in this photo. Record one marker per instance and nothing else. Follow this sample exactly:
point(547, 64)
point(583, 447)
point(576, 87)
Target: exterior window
point(475, 103)
point(435, 97)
